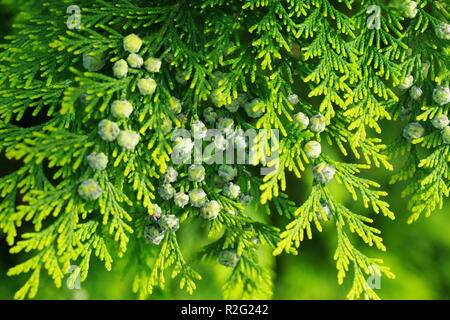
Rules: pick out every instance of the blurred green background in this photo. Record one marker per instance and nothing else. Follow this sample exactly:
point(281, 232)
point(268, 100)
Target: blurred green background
point(418, 254)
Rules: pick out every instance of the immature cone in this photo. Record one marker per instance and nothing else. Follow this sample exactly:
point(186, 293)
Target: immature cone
point(293, 99)
point(182, 117)
point(166, 191)
point(442, 30)
point(181, 199)
point(182, 149)
point(196, 173)
point(323, 172)
point(326, 209)
point(120, 69)
point(228, 258)
point(152, 65)
point(90, 190)
point(132, 43)
point(197, 197)
point(171, 175)
point(313, 149)
point(93, 60)
point(227, 172)
point(154, 234)
point(97, 160)
point(232, 190)
point(156, 214)
point(445, 133)
point(225, 125)
point(406, 83)
point(210, 115)
point(181, 77)
point(108, 130)
point(210, 210)
point(121, 109)
point(440, 122)
point(147, 86)
point(301, 120)
point(441, 95)
point(166, 125)
point(254, 108)
point(128, 139)
point(198, 129)
point(415, 93)
point(218, 97)
point(410, 8)
point(317, 123)
point(175, 105)
point(135, 61)
point(169, 222)
point(412, 131)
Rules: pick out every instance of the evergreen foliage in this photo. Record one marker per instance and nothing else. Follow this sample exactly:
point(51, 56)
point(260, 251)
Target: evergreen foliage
point(349, 79)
